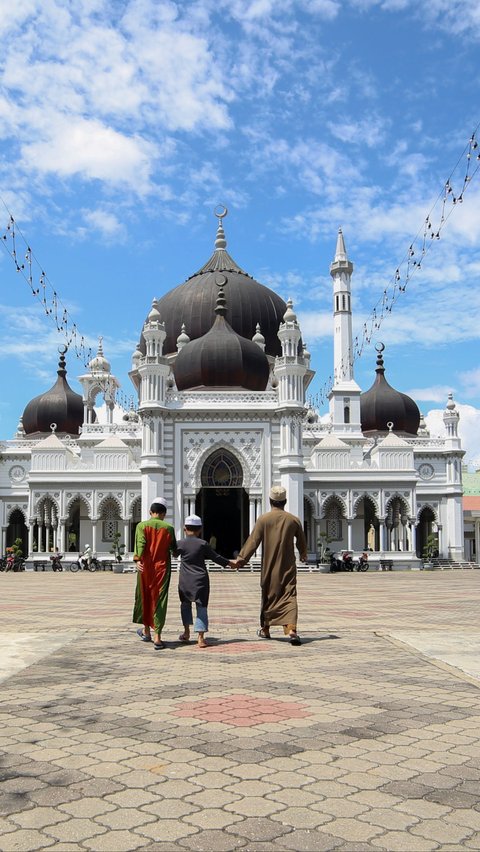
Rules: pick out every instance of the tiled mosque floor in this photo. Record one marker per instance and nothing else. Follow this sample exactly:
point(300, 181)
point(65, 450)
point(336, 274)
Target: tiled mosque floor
point(365, 738)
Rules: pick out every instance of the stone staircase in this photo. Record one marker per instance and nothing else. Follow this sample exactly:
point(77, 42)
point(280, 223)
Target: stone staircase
point(450, 564)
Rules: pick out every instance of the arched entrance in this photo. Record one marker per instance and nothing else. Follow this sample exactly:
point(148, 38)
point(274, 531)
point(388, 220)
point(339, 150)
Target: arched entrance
point(17, 529)
point(425, 528)
point(222, 502)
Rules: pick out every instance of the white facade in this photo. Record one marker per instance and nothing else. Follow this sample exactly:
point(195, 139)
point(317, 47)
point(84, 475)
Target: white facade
point(218, 450)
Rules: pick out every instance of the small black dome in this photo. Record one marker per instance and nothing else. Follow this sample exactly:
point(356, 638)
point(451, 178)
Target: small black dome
point(60, 405)
point(193, 302)
point(221, 358)
point(382, 404)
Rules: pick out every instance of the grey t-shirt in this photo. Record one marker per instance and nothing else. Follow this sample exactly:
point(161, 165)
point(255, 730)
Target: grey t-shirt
point(194, 582)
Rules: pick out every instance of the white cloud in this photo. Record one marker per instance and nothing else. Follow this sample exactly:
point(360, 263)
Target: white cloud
point(435, 393)
point(105, 222)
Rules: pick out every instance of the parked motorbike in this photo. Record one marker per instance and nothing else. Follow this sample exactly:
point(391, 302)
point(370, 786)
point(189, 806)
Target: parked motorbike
point(56, 562)
point(346, 562)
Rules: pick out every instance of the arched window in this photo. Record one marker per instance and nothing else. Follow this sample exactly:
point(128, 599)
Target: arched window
point(222, 470)
point(109, 520)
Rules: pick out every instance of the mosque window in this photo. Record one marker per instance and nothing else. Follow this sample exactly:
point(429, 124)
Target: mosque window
point(222, 470)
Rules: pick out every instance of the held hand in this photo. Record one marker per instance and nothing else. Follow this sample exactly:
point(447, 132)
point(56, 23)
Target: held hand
point(139, 567)
point(233, 563)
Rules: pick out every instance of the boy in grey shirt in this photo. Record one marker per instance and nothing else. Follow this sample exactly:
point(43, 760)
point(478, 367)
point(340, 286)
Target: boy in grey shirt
point(194, 582)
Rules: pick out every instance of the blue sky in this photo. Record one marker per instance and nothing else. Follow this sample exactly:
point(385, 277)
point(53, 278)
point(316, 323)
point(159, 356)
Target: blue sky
point(124, 122)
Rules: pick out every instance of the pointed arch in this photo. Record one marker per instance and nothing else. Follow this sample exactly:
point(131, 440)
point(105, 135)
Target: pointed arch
point(82, 499)
point(109, 499)
point(221, 467)
point(16, 508)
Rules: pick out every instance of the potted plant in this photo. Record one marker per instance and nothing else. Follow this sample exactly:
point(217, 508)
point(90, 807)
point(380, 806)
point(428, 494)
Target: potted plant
point(323, 552)
point(117, 550)
point(429, 550)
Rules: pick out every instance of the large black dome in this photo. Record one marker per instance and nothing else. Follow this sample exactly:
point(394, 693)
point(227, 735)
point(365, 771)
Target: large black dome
point(193, 303)
point(221, 358)
point(382, 404)
point(60, 405)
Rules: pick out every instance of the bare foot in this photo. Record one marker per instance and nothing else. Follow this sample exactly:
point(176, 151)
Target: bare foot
point(201, 642)
point(185, 636)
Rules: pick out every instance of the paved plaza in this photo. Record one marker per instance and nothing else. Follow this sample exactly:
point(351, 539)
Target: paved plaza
point(365, 738)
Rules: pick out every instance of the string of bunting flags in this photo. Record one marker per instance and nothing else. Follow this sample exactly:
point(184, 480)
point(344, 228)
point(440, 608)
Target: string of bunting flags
point(449, 197)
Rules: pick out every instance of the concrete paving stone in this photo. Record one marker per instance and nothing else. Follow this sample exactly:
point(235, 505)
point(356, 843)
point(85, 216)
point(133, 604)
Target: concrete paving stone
point(213, 798)
point(166, 830)
point(141, 779)
point(304, 840)
point(253, 787)
point(212, 818)
point(388, 818)
point(324, 771)
point(441, 832)
point(353, 830)
point(453, 798)
point(212, 839)
point(166, 809)
point(125, 818)
point(87, 808)
point(75, 830)
point(407, 789)
point(469, 787)
point(131, 798)
point(302, 817)
point(248, 770)
point(437, 780)
point(402, 841)
point(63, 777)
point(251, 806)
point(39, 817)
point(301, 798)
point(107, 770)
point(248, 755)
point(115, 841)
point(258, 829)
point(340, 807)
point(422, 808)
point(374, 798)
point(176, 789)
point(26, 840)
point(468, 818)
point(464, 772)
point(53, 796)
point(177, 771)
point(472, 842)
point(20, 785)
point(97, 787)
point(213, 780)
point(214, 749)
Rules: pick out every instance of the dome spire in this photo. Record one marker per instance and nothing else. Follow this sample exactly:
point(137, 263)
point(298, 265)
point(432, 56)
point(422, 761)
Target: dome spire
point(220, 212)
point(340, 251)
point(221, 305)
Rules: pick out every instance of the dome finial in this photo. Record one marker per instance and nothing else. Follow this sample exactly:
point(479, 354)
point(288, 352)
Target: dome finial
point(380, 348)
point(221, 306)
point(62, 365)
point(220, 212)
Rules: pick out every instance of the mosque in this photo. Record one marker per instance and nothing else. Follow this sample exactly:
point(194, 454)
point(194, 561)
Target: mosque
point(222, 374)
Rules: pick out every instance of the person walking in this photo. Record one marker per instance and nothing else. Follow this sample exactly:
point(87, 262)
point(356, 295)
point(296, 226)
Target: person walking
point(278, 531)
point(154, 543)
point(194, 582)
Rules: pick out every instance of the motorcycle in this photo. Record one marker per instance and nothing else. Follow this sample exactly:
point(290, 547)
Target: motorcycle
point(85, 563)
point(56, 563)
point(347, 563)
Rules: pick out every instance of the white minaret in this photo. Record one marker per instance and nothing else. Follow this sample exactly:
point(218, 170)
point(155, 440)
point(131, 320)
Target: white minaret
point(290, 371)
point(453, 487)
point(345, 394)
point(98, 380)
point(153, 371)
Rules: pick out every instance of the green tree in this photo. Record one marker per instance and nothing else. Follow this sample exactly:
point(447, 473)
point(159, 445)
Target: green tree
point(117, 549)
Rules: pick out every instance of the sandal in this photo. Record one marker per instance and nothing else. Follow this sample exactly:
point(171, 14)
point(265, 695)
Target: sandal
point(184, 638)
point(294, 639)
point(143, 636)
point(262, 635)
point(158, 646)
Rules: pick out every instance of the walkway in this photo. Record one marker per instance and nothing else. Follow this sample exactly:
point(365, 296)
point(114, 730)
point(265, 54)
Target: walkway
point(365, 738)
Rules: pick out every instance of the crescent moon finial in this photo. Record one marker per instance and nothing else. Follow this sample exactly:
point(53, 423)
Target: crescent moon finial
point(220, 211)
point(379, 347)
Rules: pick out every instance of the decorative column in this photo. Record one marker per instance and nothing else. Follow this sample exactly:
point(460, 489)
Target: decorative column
point(61, 534)
point(3, 533)
point(31, 530)
point(477, 541)
point(349, 534)
point(381, 530)
point(413, 533)
point(94, 536)
point(440, 539)
point(252, 513)
point(126, 535)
